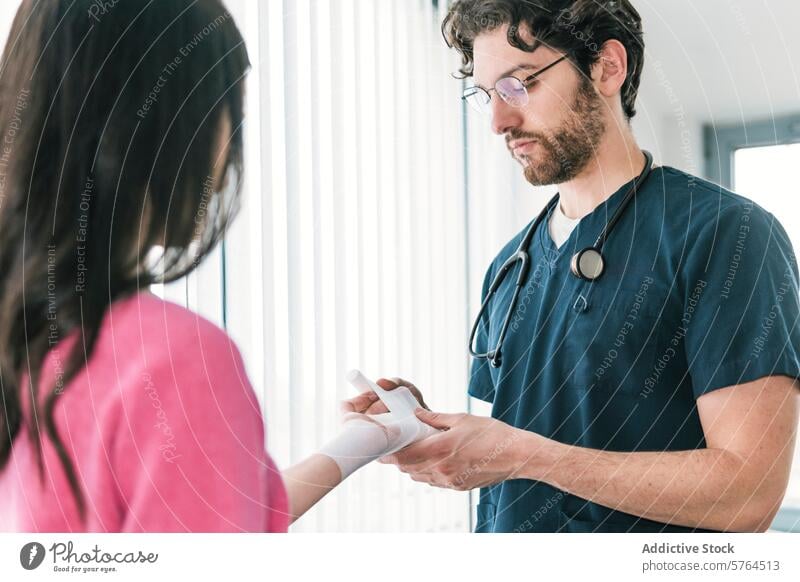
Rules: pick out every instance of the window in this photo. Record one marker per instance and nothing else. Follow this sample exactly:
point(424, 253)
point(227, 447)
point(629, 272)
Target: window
point(723, 143)
point(767, 175)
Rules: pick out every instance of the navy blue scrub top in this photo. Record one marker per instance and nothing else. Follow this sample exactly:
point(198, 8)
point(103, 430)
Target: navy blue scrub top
point(700, 292)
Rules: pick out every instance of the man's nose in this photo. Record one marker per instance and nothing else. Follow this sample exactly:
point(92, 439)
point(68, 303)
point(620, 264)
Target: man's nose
point(504, 116)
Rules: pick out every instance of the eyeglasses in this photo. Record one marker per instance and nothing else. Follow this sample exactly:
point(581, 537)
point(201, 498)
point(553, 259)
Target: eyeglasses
point(512, 90)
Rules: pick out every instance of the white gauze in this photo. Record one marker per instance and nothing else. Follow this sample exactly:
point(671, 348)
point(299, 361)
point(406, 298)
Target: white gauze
point(364, 438)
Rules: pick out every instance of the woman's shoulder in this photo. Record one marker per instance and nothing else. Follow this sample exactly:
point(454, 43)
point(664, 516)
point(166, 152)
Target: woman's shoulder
point(146, 325)
point(156, 323)
point(188, 433)
point(161, 346)
point(145, 334)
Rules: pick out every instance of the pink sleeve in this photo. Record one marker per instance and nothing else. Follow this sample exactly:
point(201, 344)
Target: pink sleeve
point(190, 453)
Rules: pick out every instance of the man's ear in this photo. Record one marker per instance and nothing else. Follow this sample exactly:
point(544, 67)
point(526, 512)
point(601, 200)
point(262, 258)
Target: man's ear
point(611, 68)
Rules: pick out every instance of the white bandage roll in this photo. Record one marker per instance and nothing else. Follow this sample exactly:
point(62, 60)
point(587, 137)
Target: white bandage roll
point(361, 440)
point(400, 400)
point(364, 438)
point(401, 404)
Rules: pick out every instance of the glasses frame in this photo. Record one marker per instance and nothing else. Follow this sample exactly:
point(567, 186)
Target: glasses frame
point(526, 83)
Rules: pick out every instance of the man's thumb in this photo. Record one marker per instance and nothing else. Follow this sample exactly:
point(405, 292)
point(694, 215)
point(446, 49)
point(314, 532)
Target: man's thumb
point(437, 420)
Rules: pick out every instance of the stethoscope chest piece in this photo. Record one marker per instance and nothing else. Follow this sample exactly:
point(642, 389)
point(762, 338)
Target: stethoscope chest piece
point(588, 264)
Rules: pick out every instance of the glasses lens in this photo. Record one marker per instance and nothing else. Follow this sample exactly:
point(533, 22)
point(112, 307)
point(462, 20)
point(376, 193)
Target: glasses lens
point(478, 99)
point(512, 91)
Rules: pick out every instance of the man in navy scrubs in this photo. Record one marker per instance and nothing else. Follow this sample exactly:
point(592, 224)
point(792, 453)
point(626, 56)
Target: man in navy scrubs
point(660, 397)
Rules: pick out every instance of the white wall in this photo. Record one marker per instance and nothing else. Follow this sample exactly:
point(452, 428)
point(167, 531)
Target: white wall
point(714, 62)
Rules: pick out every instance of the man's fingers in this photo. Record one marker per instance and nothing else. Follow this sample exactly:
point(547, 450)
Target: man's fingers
point(424, 468)
point(438, 420)
point(393, 383)
point(414, 454)
point(431, 480)
point(387, 384)
point(421, 479)
point(361, 403)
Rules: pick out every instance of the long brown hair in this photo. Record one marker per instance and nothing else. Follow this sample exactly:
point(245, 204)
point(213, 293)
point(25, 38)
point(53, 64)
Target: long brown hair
point(110, 115)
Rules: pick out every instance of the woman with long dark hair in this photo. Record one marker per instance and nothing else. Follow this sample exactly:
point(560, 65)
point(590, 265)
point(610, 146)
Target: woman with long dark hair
point(120, 165)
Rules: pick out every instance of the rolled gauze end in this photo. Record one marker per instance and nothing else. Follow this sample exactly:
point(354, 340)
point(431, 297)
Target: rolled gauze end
point(399, 401)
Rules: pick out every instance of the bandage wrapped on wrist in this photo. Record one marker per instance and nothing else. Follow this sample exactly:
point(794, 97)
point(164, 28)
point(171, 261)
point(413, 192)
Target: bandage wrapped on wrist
point(364, 438)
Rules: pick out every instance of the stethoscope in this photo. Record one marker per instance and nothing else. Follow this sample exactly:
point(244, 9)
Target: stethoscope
point(588, 264)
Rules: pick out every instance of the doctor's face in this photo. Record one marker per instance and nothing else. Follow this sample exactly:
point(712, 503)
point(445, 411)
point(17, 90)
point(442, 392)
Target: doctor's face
point(555, 135)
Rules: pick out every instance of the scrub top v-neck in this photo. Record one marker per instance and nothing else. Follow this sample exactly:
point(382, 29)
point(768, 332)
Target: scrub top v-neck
point(692, 273)
point(560, 226)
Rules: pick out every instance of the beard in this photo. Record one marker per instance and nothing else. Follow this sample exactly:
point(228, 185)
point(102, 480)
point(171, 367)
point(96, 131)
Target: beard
point(565, 152)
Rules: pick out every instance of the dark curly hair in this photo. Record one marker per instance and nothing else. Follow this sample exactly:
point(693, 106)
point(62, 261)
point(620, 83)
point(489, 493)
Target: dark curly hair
point(579, 28)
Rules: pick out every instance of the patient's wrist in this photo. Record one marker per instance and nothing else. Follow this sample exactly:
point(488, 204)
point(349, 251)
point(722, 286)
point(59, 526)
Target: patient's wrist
point(359, 442)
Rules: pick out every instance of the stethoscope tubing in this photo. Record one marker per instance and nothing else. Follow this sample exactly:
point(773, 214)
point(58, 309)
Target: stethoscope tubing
point(521, 255)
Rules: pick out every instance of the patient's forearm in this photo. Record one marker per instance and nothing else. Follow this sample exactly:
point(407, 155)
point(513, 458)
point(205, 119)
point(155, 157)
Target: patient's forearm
point(309, 481)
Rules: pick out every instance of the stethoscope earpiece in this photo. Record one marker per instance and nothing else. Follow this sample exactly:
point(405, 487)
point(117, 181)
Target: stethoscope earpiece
point(588, 264)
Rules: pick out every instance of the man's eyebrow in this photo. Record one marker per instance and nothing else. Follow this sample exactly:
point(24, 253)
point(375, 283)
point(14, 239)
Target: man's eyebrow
point(512, 70)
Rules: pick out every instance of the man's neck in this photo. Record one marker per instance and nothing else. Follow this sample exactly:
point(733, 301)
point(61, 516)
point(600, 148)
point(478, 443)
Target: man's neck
point(615, 163)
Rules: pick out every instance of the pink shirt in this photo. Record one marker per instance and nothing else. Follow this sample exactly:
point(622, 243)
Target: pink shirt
point(164, 431)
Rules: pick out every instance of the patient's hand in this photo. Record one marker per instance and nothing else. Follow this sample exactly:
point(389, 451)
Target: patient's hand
point(364, 438)
point(368, 402)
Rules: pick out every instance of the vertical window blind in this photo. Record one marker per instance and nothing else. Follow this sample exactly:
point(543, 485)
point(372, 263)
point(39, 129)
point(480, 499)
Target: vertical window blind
point(350, 250)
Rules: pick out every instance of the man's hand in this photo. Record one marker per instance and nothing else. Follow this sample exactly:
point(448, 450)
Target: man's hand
point(369, 403)
point(473, 451)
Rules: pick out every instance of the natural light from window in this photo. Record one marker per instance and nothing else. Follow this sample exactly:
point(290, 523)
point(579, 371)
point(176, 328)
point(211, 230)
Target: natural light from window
point(766, 175)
